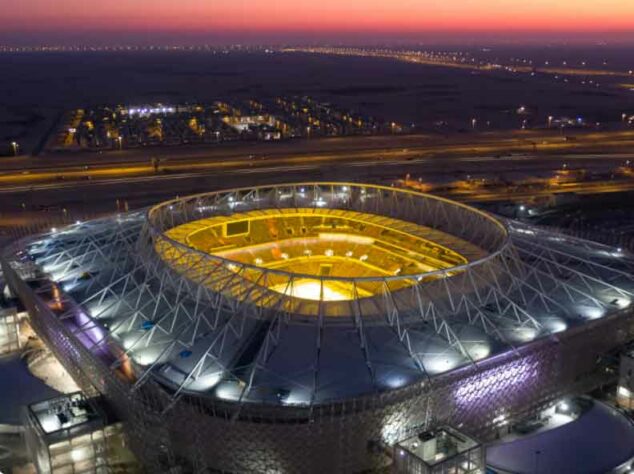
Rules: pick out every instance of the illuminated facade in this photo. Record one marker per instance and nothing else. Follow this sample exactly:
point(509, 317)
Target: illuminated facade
point(625, 388)
point(308, 327)
point(9, 330)
point(70, 434)
point(441, 451)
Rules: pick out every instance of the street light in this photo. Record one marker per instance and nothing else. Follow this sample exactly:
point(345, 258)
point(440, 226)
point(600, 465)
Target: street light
point(15, 147)
point(473, 123)
point(550, 121)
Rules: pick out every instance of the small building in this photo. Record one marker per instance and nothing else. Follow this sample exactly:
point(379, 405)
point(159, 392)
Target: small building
point(244, 123)
point(70, 434)
point(10, 319)
point(440, 451)
point(625, 388)
point(9, 330)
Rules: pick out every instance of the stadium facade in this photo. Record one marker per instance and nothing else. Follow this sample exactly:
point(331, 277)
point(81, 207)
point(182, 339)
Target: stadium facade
point(309, 327)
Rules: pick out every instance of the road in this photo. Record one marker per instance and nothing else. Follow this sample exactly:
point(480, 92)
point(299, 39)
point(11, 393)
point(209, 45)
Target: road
point(363, 151)
point(377, 167)
point(38, 200)
point(451, 60)
point(505, 194)
point(87, 197)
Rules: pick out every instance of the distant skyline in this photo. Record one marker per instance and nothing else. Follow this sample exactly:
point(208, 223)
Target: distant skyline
point(355, 21)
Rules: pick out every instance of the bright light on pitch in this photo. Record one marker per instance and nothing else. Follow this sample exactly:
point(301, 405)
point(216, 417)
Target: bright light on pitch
point(312, 290)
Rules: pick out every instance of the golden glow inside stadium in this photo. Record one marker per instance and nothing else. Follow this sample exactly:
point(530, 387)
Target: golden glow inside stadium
point(331, 245)
point(314, 290)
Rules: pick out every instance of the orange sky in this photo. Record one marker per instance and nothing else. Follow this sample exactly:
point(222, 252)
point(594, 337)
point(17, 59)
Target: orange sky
point(394, 16)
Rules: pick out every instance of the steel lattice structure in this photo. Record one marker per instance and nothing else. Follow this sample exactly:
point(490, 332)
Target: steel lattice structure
point(205, 360)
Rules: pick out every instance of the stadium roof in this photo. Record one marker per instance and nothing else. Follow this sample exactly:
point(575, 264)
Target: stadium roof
point(154, 307)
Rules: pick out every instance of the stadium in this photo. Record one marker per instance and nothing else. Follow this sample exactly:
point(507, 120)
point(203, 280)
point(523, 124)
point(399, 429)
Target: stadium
point(309, 327)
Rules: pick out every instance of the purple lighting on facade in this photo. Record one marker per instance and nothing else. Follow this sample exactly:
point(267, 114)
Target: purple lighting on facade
point(507, 377)
point(89, 328)
point(90, 334)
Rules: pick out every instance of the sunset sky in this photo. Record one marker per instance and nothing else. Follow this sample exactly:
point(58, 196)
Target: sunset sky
point(298, 19)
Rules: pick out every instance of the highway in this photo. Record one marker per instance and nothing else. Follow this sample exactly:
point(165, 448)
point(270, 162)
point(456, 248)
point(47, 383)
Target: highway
point(513, 194)
point(40, 196)
point(101, 195)
point(450, 60)
point(380, 167)
point(363, 151)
